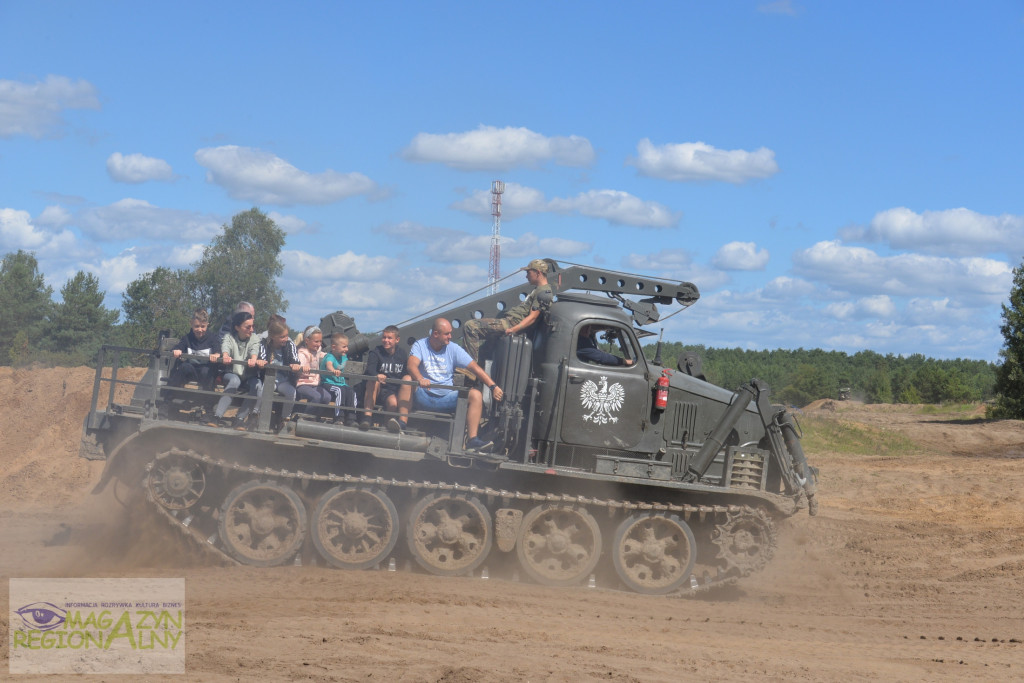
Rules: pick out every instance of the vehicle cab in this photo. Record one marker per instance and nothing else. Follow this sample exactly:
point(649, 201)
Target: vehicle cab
point(595, 387)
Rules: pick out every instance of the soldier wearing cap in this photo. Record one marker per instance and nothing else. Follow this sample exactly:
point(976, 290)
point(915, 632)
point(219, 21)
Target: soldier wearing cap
point(517, 318)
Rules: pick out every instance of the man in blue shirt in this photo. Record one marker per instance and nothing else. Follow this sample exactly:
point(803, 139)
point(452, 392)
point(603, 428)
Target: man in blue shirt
point(433, 361)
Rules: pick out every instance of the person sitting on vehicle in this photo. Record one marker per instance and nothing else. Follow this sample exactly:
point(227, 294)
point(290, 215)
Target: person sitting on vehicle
point(433, 360)
point(227, 327)
point(588, 351)
point(331, 367)
point(387, 361)
point(274, 317)
point(238, 350)
point(308, 385)
point(278, 349)
point(198, 342)
point(516, 319)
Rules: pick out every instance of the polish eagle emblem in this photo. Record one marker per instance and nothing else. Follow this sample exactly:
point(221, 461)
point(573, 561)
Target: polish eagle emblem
point(601, 401)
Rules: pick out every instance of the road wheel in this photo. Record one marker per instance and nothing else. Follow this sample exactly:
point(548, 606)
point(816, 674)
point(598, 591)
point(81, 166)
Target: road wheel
point(450, 534)
point(262, 523)
point(653, 553)
point(558, 545)
point(354, 527)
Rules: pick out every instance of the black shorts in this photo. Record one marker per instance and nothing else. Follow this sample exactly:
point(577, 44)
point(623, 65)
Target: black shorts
point(386, 390)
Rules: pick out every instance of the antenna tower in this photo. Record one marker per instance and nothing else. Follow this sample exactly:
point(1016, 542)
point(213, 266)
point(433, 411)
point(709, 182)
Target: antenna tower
point(494, 269)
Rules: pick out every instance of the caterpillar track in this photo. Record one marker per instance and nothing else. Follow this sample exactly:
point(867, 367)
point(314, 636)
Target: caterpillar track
point(745, 537)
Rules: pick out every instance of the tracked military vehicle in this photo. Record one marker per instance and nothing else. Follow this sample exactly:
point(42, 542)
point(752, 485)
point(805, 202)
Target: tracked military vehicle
point(628, 475)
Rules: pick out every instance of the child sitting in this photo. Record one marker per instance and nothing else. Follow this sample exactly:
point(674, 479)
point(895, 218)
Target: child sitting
point(387, 361)
point(198, 342)
point(331, 365)
point(278, 348)
point(308, 384)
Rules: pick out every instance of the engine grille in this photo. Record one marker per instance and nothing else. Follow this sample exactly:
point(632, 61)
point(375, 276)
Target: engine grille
point(746, 468)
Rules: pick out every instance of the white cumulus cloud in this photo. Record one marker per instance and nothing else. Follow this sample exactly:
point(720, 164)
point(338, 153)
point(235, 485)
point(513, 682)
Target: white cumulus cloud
point(115, 273)
point(673, 263)
point(293, 225)
point(498, 149)
point(790, 288)
point(180, 257)
point(137, 168)
point(133, 219)
point(256, 175)
point(349, 266)
point(740, 256)
point(940, 312)
point(699, 161)
point(551, 247)
point(877, 306)
point(862, 271)
point(36, 109)
point(660, 261)
point(54, 216)
point(19, 231)
point(952, 231)
point(618, 208)
point(516, 201)
point(444, 245)
point(375, 290)
point(615, 206)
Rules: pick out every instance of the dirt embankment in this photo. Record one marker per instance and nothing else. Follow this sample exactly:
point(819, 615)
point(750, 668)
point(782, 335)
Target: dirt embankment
point(911, 571)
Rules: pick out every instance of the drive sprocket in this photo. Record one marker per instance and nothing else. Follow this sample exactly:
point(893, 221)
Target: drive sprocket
point(746, 540)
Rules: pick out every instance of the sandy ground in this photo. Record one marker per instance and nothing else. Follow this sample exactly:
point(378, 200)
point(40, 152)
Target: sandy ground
point(912, 571)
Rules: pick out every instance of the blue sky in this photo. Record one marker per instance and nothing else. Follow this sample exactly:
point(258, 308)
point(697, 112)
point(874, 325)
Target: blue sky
point(837, 175)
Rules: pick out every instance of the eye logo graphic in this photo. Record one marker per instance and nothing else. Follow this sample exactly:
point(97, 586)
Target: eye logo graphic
point(41, 616)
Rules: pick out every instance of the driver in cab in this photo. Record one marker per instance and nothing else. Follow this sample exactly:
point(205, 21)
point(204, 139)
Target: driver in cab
point(588, 351)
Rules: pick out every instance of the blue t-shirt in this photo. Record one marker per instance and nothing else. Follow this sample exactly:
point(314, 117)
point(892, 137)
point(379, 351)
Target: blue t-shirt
point(338, 365)
point(439, 366)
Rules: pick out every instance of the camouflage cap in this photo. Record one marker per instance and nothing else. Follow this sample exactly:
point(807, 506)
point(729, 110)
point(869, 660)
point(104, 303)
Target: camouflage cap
point(540, 265)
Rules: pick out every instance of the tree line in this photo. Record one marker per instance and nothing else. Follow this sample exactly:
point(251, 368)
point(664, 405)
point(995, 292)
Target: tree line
point(242, 263)
point(801, 376)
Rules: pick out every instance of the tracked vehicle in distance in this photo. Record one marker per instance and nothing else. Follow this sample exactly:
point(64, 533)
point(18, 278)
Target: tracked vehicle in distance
point(630, 475)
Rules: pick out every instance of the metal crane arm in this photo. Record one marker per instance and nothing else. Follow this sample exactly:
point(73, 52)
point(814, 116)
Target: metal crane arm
point(571, 277)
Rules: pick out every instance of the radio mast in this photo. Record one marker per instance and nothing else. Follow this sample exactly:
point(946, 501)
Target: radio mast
point(494, 269)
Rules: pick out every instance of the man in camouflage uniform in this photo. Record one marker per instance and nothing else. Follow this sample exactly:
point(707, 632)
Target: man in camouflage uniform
point(517, 318)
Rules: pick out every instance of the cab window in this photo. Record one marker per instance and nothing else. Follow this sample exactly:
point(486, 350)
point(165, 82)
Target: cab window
point(605, 344)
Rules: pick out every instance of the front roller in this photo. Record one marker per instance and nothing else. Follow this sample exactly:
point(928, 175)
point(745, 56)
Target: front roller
point(262, 523)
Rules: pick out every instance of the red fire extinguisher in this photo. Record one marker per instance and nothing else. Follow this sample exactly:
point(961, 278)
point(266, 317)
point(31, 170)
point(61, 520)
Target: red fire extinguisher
point(661, 394)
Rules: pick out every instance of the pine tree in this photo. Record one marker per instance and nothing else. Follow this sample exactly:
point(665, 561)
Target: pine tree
point(80, 323)
point(25, 304)
point(1010, 373)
